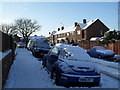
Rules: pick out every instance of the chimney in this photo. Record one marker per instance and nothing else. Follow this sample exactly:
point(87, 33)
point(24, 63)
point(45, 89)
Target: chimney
point(62, 28)
point(76, 24)
point(58, 29)
point(84, 21)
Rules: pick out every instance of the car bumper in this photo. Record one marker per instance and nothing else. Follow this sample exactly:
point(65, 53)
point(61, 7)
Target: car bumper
point(68, 79)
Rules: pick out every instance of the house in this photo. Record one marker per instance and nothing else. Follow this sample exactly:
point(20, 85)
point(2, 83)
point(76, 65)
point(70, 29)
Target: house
point(80, 31)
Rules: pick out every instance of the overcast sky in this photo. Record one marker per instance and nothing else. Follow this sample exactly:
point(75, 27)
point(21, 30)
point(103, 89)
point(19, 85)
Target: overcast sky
point(52, 15)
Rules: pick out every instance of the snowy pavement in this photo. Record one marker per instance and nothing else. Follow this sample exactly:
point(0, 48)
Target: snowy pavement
point(27, 72)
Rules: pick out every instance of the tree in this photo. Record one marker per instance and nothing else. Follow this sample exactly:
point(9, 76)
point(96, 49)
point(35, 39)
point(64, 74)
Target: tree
point(9, 29)
point(26, 27)
point(110, 37)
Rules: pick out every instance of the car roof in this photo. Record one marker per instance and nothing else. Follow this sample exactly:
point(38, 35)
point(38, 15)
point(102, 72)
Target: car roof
point(68, 47)
point(98, 47)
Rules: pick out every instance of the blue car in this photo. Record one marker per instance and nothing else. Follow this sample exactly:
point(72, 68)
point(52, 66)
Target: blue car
point(71, 66)
point(100, 52)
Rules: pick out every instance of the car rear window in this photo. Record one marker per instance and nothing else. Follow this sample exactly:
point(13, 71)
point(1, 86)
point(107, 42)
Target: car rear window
point(43, 44)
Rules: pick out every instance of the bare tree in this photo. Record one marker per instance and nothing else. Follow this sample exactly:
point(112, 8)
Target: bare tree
point(8, 29)
point(26, 27)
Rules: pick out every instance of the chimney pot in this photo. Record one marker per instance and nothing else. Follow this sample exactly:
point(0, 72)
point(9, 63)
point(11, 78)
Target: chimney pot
point(76, 24)
point(62, 28)
point(58, 29)
point(84, 20)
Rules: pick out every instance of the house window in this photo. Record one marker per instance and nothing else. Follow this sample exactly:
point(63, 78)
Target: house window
point(71, 33)
point(68, 34)
point(78, 32)
point(101, 32)
point(65, 34)
point(59, 35)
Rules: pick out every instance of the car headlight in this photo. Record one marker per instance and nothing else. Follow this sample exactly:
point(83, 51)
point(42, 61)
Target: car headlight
point(64, 67)
point(97, 70)
point(104, 52)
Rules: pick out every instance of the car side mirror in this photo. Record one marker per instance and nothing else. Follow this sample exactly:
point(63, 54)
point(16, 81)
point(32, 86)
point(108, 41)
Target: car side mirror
point(68, 55)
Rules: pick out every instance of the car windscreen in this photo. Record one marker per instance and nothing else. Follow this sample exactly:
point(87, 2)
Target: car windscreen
point(76, 53)
point(99, 48)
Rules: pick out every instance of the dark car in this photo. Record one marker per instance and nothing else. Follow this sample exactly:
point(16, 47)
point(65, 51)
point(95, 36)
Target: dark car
point(21, 45)
point(40, 47)
point(70, 65)
point(100, 52)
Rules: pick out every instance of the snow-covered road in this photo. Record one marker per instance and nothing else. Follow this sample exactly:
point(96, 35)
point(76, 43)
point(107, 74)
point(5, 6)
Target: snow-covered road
point(27, 72)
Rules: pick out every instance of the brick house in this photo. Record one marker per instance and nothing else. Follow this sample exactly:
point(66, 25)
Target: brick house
point(80, 31)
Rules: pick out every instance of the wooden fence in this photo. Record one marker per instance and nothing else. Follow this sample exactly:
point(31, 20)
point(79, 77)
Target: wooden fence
point(6, 44)
point(112, 46)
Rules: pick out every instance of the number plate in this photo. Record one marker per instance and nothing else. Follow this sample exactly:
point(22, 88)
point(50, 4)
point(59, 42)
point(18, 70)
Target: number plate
point(85, 80)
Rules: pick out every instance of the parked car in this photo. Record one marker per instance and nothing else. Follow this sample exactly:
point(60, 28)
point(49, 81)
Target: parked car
point(21, 45)
point(30, 45)
point(100, 52)
point(70, 65)
point(40, 47)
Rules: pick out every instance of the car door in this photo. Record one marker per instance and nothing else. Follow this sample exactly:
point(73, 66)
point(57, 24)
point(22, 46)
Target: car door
point(52, 58)
point(92, 52)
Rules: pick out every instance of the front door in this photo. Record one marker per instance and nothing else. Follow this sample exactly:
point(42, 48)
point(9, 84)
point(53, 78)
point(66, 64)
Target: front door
point(52, 58)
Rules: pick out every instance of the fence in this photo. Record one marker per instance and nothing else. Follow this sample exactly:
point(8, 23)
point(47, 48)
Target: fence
point(6, 45)
point(112, 46)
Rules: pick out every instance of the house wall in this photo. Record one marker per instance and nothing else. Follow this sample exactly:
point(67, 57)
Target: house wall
point(95, 30)
point(78, 36)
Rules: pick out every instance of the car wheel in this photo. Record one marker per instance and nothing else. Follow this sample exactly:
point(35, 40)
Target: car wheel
point(99, 56)
point(54, 76)
point(43, 63)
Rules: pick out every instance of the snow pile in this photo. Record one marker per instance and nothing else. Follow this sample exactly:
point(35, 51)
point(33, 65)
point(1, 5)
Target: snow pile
point(108, 68)
point(106, 63)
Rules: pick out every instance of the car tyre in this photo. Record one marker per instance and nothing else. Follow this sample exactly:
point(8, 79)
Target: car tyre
point(54, 76)
point(43, 63)
point(99, 56)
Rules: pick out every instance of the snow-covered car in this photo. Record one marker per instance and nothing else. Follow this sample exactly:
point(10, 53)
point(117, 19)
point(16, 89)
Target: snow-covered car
point(70, 65)
point(21, 45)
point(30, 45)
point(40, 47)
point(100, 52)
